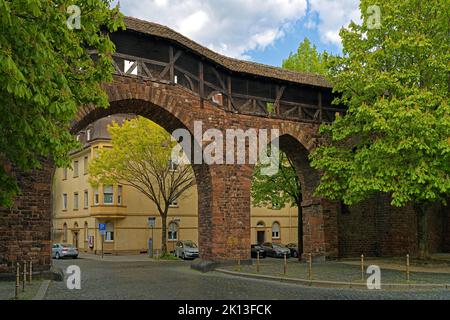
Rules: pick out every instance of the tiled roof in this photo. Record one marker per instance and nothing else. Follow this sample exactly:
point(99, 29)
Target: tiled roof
point(231, 64)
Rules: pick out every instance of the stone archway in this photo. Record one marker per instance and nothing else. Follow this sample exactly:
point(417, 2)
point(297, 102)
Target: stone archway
point(224, 190)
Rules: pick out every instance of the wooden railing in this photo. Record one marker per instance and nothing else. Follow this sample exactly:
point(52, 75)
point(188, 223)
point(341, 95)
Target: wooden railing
point(221, 92)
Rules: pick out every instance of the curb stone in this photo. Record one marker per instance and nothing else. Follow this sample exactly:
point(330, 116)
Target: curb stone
point(332, 284)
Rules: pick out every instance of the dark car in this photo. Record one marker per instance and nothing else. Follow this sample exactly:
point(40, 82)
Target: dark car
point(276, 250)
point(293, 247)
point(257, 248)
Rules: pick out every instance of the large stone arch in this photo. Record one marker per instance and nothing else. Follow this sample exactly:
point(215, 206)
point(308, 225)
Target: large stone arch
point(224, 190)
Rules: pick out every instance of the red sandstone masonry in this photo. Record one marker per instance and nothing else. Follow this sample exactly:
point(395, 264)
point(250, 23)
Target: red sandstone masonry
point(224, 190)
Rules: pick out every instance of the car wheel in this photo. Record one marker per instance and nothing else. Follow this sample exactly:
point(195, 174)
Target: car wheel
point(183, 256)
point(295, 255)
point(57, 256)
point(74, 257)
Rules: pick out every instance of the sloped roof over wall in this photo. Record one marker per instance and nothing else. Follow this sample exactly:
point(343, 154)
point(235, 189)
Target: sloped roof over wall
point(231, 64)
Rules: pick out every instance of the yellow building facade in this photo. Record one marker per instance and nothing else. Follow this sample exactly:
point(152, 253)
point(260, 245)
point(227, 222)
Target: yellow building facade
point(79, 208)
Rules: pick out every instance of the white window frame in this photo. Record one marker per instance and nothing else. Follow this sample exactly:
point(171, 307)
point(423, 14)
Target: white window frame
point(76, 201)
point(76, 168)
point(108, 193)
point(276, 234)
point(170, 232)
point(64, 201)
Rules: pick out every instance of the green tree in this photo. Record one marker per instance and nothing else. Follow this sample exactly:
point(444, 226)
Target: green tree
point(46, 72)
point(395, 137)
point(279, 190)
point(140, 158)
point(307, 59)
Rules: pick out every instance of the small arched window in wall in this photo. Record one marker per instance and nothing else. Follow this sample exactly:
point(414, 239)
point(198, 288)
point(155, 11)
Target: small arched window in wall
point(65, 232)
point(276, 230)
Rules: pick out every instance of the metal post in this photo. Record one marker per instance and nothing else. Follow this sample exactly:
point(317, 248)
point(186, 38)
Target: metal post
point(285, 264)
point(407, 268)
point(257, 261)
point(310, 266)
point(16, 293)
point(362, 267)
point(239, 264)
point(24, 275)
point(103, 244)
point(30, 275)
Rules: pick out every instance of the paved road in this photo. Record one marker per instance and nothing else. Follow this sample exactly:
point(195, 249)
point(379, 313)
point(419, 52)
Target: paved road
point(175, 280)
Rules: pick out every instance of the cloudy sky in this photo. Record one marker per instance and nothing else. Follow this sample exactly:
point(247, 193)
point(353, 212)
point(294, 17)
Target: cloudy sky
point(264, 31)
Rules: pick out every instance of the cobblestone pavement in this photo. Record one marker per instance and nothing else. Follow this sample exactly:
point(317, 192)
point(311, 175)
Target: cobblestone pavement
point(337, 271)
point(175, 280)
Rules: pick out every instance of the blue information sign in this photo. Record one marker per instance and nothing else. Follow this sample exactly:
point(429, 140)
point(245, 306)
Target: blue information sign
point(102, 228)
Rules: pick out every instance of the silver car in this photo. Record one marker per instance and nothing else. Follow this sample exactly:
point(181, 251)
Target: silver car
point(186, 250)
point(60, 250)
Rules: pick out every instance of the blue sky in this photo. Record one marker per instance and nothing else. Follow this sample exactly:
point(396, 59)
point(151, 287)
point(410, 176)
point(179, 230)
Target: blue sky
point(264, 31)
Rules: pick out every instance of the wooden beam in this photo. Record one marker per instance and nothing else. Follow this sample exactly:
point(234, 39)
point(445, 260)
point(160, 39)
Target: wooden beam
point(280, 92)
point(229, 94)
point(171, 65)
point(201, 82)
point(320, 106)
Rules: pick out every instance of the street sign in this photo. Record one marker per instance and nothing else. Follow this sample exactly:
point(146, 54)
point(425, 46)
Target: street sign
point(151, 222)
point(102, 228)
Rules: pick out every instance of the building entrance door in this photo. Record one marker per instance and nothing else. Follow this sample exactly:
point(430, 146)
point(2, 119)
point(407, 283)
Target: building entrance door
point(75, 239)
point(260, 236)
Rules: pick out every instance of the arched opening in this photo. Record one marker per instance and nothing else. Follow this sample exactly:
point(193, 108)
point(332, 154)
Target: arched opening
point(119, 196)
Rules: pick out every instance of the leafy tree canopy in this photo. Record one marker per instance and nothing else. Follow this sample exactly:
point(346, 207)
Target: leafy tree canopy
point(307, 59)
point(140, 157)
point(46, 72)
point(395, 81)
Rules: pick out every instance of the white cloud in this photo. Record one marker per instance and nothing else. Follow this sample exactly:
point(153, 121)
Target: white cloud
point(231, 27)
point(333, 15)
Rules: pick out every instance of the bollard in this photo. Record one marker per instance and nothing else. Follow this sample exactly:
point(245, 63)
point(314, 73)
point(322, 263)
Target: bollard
point(362, 267)
point(310, 266)
point(16, 293)
point(24, 275)
point(285, 264)
point(239, 264)
point(407, 268)
point(30, 275)
point(257, 261)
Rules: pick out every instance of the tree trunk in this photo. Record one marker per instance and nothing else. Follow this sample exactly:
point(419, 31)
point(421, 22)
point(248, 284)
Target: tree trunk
point(164, 233)
point(300, 231)
point(422, 229)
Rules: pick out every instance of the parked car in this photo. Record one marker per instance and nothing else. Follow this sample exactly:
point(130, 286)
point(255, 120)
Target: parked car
point(276, 250)
point(257, 248)
point(186, 250)
point(60, 250)
point(293, 247)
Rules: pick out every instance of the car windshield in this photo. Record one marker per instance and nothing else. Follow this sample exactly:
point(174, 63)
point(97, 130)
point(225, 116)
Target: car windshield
point(278, 246)
point(190, 245)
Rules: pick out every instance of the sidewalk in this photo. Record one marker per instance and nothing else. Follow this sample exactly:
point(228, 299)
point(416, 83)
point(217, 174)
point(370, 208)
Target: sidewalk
point(124, 258)
point(340, 273)
point(7, 289)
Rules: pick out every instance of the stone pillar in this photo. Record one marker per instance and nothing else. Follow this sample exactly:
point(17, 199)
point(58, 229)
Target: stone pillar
point(25, 229)
point(224, 222)
point(320, 232)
